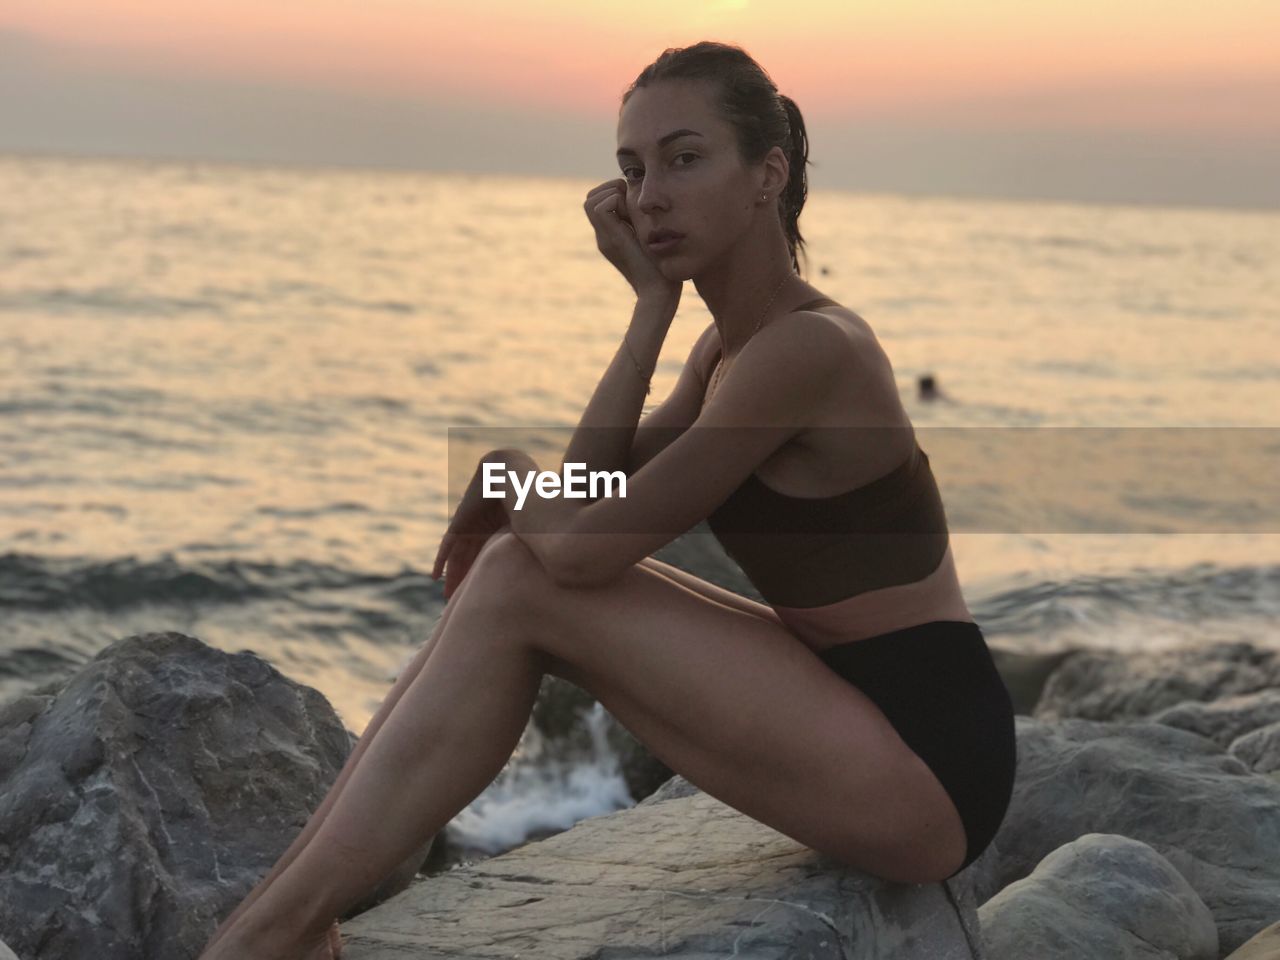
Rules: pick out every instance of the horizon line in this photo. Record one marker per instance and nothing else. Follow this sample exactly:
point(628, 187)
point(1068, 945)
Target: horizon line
point(335, 166)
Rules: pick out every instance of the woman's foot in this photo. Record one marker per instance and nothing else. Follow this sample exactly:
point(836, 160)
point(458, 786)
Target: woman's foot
point(322, 951)
point(331, 949)
point(235, 947)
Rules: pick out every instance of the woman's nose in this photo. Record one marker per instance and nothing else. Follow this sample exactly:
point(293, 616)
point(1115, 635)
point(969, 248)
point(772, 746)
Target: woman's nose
point(652, 196)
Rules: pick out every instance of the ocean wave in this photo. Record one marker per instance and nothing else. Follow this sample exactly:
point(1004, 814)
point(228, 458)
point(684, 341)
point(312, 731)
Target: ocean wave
point(40, 583)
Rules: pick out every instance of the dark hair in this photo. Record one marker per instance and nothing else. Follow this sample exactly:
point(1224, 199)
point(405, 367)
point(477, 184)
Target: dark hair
point(761, 117)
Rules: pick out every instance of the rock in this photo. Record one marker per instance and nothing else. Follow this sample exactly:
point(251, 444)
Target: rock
point(673, 789)
point(143, 800)
point(1098, 685)
point(557, 712)
point(681, 877)
point(1224, 721)
point(1199, 808)
point(1259, 750)
point(6, 953)
point(1099, 896)
point(1265, 946)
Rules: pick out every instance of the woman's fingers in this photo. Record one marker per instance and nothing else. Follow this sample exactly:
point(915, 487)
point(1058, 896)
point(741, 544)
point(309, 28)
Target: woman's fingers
point(609, 217)
point(607, 186)
point(606, 209)
point(460, 561)
point(606, 212)
point(446, 546)
point(613, 188)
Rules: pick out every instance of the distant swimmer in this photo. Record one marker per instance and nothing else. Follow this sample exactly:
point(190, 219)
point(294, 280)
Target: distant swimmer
point(929, 389)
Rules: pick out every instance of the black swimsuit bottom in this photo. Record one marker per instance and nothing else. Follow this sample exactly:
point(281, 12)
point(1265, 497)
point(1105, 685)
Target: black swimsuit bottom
point(938, 685)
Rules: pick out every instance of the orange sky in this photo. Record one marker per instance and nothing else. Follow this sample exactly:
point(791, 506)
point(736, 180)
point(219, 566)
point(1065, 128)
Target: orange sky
point(1174, 65)
point(1159, 101)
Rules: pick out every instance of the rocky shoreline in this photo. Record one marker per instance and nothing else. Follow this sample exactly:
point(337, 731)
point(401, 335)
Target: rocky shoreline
point(143, 797)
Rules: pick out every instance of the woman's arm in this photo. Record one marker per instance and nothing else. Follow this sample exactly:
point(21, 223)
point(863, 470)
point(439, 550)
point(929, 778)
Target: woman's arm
point(780, 379)
point(537, 521)
point(604, 435)
point(679, 410)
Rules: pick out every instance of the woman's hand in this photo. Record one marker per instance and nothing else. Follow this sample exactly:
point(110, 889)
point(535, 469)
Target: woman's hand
point(616, 238)
point(474, 522)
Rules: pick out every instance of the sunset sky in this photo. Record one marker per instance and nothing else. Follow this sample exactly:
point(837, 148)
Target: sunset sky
point(1161, 102)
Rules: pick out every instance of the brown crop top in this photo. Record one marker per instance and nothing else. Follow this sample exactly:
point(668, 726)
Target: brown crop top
point(813, 551)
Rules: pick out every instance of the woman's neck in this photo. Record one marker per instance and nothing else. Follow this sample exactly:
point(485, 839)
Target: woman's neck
point(738, 289)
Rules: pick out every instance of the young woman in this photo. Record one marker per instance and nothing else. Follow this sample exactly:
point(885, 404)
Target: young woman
point(858, 711)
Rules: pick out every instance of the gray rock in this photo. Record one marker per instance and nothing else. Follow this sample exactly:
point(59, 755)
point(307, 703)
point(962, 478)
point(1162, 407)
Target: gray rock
point(1099, 896)
point(678, 877)
point(6, 953)
point(1259, 750)
point(142, 801)
point(1098, 685)
point(673, 789)
point(1199, 808)
point(1224, 721)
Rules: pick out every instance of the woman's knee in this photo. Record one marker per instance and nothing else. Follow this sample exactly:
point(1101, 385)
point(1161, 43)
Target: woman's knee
point(506, 564)
point(499, 539)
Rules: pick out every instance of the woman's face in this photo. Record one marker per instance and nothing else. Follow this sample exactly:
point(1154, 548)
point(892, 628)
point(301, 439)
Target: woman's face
point(684, 174)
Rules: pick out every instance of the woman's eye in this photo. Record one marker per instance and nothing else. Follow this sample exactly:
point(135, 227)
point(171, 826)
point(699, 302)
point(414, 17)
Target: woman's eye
point(635, 173)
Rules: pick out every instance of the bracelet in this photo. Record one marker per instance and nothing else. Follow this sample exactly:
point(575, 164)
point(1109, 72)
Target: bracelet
point(639, 369)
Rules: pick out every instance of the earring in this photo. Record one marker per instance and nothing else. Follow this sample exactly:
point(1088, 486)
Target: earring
point(764, 196)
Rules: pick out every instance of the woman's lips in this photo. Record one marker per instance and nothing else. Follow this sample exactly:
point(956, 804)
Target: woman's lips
point(665, 244)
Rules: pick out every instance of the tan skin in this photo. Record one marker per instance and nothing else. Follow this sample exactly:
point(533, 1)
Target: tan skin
point(713, 683)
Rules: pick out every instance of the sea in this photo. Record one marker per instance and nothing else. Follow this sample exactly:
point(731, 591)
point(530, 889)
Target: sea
point(227, 395)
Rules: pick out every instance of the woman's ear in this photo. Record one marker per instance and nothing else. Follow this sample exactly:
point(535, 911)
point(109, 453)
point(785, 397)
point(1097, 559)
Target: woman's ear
point(777, 172)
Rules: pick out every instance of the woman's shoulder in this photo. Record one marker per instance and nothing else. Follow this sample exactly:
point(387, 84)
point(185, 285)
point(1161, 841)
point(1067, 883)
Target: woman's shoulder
point(836, 312)
point(833, 327)
point(868, 392)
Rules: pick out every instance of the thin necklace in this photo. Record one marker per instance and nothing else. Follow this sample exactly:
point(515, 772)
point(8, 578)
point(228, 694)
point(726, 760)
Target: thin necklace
point(715, 378)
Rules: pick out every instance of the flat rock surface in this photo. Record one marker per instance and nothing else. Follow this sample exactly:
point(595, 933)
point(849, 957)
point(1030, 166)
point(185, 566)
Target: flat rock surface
point(688, 877)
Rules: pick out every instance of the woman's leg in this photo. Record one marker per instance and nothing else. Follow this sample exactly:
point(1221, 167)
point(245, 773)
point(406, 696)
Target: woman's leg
point(407, 676)
point(709, 590)
point(317, 818)
point(451, 733)
point(737, 704)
